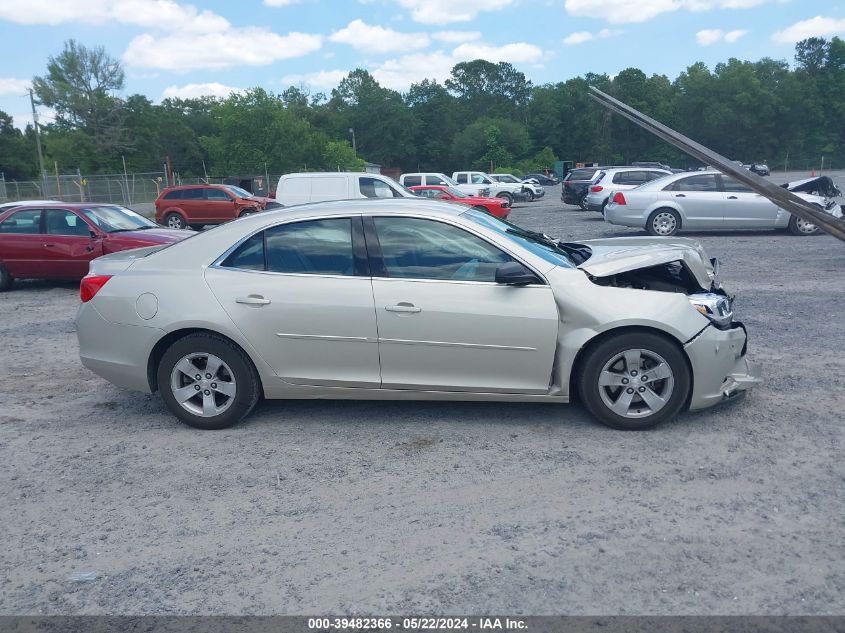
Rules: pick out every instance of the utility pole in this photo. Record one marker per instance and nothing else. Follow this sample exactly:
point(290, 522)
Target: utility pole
point(37, 134)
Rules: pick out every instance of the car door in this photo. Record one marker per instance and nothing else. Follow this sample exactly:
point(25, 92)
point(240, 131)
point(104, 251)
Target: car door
point(69, 244)
point(745, 208)
point(444, 324)
point(219, 205)
point(700, 199)
point(300, 292)
point(21, 243)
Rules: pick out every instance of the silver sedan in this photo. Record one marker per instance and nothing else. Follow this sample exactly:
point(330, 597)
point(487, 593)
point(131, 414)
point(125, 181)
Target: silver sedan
point(705, 200)
point(412, 299)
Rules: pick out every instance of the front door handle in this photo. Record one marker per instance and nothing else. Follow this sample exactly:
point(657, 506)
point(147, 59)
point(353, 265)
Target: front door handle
point(680, 195)
point(405, 308)
point(253, 300)
point(732, 198)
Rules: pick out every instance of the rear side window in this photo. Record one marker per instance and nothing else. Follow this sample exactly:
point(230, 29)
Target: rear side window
point(22, 222)
point(706, 182)
point(249, 255)
point(176, 194)
point(629, 178)
point(412, 181)
point(462, 179)
point(192, 194)
point(315, 247)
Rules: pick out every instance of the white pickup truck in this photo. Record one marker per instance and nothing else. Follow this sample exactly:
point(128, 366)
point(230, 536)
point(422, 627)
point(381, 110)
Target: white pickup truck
point(497, 189)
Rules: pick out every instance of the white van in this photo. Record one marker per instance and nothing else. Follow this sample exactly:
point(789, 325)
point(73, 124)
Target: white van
point(322, 186)
point(427, 178)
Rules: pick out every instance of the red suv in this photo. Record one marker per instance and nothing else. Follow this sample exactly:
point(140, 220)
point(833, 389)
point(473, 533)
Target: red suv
point(198, 205)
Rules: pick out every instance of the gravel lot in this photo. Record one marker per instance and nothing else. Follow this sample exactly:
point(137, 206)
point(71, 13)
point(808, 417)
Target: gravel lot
point(436, 508)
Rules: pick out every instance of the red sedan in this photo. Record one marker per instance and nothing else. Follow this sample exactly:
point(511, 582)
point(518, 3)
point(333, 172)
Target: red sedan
point(499, 207)
point(57, 241)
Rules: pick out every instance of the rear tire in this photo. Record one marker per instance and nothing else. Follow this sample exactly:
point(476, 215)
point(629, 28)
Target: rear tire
point(206, 403)
point(797, 226)
point(174, 221)
point(663, 223)
point(6, 280)
point(615, 386)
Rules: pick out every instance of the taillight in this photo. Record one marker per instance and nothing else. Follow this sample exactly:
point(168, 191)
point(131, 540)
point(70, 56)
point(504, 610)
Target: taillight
point(596, 188)
point(91, 285)
point(618, 198)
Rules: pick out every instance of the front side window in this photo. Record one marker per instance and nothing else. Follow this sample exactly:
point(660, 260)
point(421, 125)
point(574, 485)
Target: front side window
point(415, 248)
point(62, 222)
point(734, 186)
point(427, 193)
point(23, 222)
point(315, 247)
point(706, 182)
point(217, 195)
point(375, 188)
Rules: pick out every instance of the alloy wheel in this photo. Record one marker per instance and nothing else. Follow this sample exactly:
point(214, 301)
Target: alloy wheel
point(203, 384)
point(636, 383)
point(664, 223)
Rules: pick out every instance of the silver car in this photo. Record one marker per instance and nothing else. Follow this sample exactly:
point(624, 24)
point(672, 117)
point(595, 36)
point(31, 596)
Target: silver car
point(705, 200)
point(615, 179)
point(412, 299)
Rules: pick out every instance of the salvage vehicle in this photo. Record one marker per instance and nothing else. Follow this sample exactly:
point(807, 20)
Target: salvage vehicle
point(817, 185)
point(181, 206)
point(414, 300)
point(304, 188)
point(494, 188)
point(761, 169)
point(705, 200)
point(530, 190)
point(499, 207)
point(577, 184)
point(58, 241)
point(617, 179)
point(542, 179)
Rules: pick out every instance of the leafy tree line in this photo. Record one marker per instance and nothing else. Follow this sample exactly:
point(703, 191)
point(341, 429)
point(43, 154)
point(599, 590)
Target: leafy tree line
point(484, 116)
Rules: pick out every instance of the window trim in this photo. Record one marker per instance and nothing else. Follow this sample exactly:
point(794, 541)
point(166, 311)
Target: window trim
point(379, 269)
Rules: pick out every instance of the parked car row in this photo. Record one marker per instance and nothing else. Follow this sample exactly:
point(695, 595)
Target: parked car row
point(479, 183)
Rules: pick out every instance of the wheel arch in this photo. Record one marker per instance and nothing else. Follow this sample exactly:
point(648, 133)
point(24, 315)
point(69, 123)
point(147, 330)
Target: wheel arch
point(164, 343)
point(602, 336)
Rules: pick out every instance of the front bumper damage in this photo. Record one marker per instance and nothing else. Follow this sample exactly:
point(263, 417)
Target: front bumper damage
point(721, 371)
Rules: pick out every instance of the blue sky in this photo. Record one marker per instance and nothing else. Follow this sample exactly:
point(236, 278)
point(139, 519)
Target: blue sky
point(175, 48)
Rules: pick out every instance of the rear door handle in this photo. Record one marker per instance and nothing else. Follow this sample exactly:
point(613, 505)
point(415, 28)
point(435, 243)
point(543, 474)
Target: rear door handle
point(680, 195)
point(406, 308)
point(732, 198)
point(253, 300)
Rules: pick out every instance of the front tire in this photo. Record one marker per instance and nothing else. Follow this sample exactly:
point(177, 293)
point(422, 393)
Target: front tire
point(797, 226)
point(634, 381)
point(506, 196)
point(174, 221)
point(6, 280)
point(663, 223)
point(208, 382)
point(529, 195)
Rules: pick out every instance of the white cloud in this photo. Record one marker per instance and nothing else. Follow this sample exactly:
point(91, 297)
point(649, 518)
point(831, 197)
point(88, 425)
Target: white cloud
point(400, 73)
point(456, 37)
point(579, 37)
point(814, 27)
point(12, 86)
point(708, 37)
point(280, 3)
point(378, 39)
point(191, 91)
point(445, 11)
point(248, 46)
point(322, 79)
point(625, 11)
point(159, 14)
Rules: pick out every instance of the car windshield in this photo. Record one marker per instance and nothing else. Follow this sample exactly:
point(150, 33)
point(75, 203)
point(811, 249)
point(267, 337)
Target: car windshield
point(113, 219)
point(539, 244)
point(240, 193)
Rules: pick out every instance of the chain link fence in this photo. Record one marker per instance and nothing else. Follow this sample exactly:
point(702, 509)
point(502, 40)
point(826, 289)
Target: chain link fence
point(125, 189)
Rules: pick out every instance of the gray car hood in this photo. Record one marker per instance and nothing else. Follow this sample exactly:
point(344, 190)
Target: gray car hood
point(621, 254)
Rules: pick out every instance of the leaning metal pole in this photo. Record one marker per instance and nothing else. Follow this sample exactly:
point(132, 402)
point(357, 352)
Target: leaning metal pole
point(781, 197)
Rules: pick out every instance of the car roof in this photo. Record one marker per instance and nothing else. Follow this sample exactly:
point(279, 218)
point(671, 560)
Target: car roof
point(193, 186)
point(636, 168)
point(58, 203)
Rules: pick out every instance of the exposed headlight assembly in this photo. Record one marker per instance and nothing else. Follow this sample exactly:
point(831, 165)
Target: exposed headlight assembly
point(718, 308)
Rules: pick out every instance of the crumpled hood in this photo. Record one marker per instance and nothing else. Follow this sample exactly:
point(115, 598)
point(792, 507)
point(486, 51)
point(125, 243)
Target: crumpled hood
point(620, 254)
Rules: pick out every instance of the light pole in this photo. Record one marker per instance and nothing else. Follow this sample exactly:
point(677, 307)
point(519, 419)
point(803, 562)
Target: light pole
point(354, 146)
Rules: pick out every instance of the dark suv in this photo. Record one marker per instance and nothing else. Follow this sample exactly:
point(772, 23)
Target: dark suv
point(577, 184)
point(198, 205)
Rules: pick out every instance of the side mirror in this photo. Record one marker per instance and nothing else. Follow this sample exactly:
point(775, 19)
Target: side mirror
point(515, 274)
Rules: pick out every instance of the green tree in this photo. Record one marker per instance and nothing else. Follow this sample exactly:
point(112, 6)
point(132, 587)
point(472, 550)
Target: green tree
point(17, 153)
